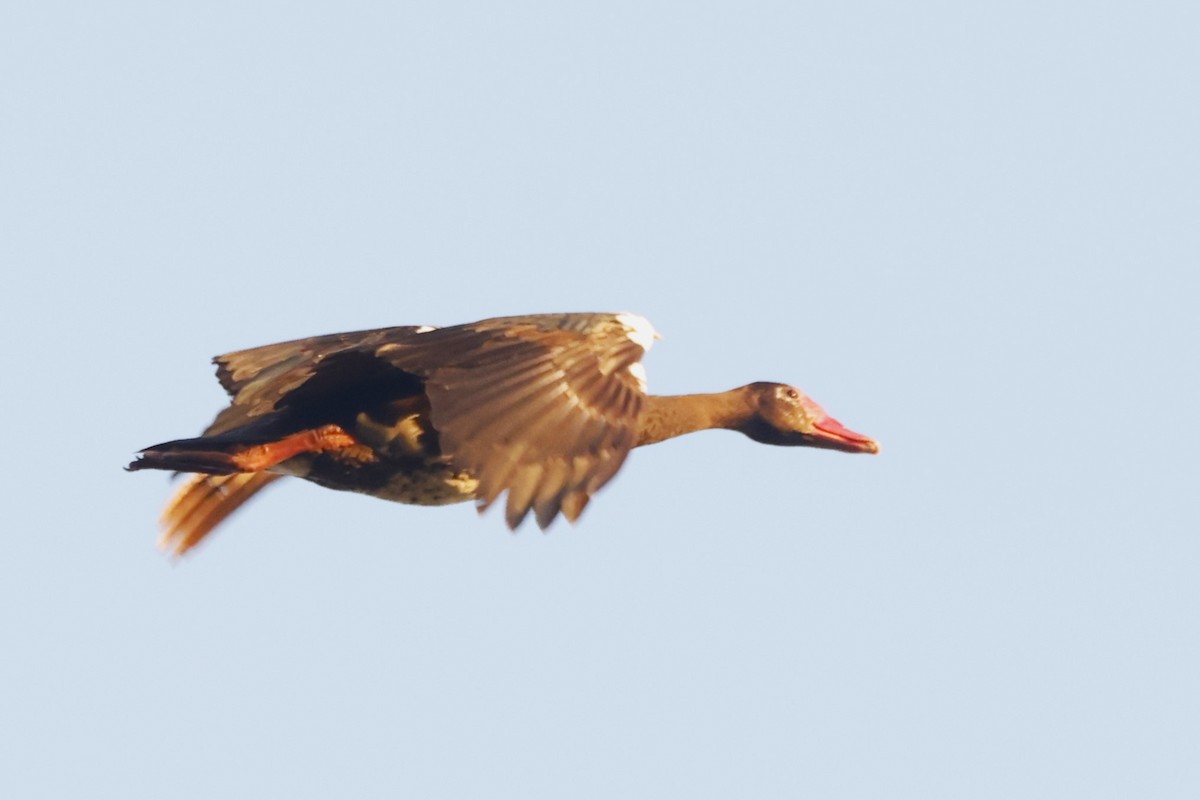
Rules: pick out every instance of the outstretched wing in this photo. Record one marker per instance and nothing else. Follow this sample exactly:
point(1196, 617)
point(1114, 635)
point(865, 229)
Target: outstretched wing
point(258, 378)
point(543, 407)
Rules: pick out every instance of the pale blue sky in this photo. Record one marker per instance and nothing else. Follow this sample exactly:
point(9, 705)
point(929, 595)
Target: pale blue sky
point(967, 229)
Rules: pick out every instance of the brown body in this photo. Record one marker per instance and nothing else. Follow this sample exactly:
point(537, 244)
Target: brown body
point(543, 408)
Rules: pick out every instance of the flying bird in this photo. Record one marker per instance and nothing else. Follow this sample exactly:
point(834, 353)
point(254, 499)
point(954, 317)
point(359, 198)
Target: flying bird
point(542, 407)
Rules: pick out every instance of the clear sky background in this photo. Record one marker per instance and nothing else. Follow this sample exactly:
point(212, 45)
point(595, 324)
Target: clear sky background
point(967, 229)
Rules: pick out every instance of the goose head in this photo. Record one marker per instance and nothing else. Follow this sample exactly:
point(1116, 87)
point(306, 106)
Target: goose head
point(783, 415)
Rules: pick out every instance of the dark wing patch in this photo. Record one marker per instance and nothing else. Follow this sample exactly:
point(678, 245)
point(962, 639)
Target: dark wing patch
point(259, 378)
point(542, 407)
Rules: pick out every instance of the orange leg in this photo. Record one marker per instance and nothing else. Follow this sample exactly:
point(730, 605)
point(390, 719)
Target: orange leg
point(316, 440)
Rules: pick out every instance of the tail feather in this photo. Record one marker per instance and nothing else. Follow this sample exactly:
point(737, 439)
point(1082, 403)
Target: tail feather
point(203, 503)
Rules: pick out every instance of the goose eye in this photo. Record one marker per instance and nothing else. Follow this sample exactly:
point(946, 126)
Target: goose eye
point(793, 394)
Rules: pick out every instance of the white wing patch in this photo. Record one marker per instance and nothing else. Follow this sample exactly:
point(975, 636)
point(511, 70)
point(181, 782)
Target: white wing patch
point(638, 329)
point(639, 374)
